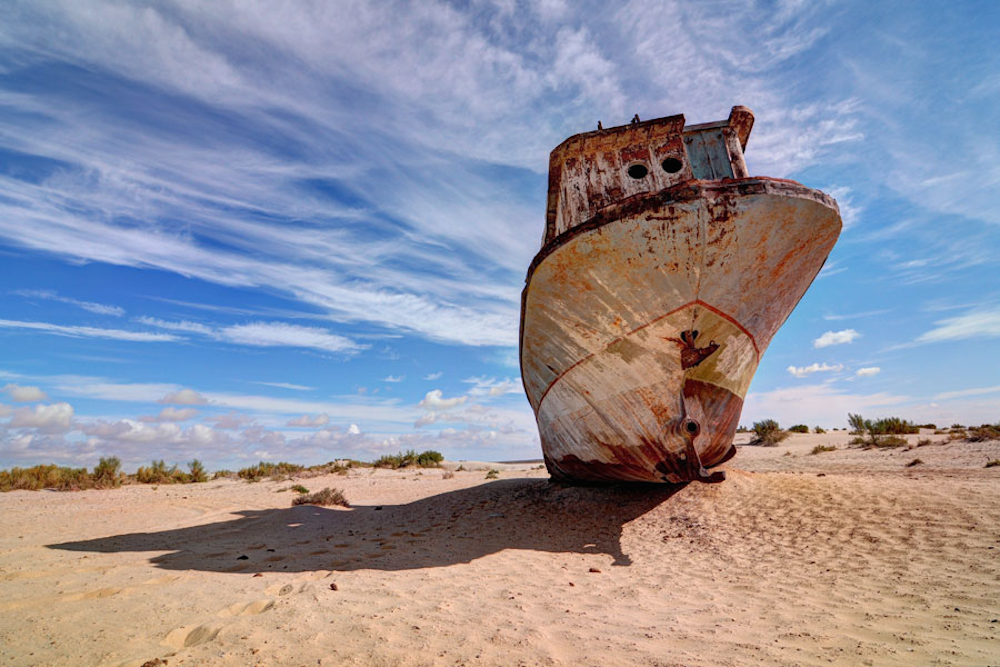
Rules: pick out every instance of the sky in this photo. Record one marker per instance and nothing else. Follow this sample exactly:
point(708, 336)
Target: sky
point(299, 230)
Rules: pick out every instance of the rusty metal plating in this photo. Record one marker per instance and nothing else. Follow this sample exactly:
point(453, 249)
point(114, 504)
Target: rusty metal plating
point(664, 273)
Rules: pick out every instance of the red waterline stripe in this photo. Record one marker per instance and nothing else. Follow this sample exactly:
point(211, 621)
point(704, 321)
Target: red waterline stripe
point(696, 302)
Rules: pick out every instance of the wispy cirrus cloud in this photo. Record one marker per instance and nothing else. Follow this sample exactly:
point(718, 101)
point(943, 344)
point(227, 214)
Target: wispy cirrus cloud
point(90, 332)
point(90, 306)
point(981, 323)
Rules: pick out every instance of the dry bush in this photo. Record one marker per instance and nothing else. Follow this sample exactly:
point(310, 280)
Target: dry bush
point(327, 497)
point(992, 464)
point(914, 462)
point(798, 428)
point(983, 433)
point(819, 449)
point(493, 474)
point(768, 433)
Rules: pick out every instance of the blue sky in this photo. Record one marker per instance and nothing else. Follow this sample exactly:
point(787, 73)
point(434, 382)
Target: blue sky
point(257, 230)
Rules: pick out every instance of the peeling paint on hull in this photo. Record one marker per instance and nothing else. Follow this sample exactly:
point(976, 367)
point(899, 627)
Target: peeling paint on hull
point(642, 325)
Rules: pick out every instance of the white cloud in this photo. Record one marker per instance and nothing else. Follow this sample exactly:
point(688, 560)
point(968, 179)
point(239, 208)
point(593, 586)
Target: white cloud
point(269, 334)
point(836, 338)
point(311, 422)
point(184, 397)
point(868, 371)
point(966, 392)
point(284, 385)
point(24, 393)
point(353, 430)
point(89, 332)
point(57, 415)
point(984, 323)
point(433, 376)
point(803, 371)
point(434, 401)
point(183, 325)
point(483, 386)
point(90, 306)
point(171, 414)
point(5, 410)
point(851, 316)
point(230, 420)
point(394, 378)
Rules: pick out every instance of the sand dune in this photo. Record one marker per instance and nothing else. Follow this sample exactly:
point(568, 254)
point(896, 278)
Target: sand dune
point(846, 558)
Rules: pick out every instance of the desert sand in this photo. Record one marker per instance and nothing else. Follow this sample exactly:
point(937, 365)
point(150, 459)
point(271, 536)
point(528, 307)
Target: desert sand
point(848, 557)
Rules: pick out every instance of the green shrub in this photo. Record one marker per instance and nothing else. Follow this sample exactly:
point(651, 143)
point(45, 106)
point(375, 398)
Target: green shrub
point(817, 429)
point(108, 473)
point(819, 449)
point(298, 488)
point(197, 473)
point(326, 497)
point(493, 473)
point(768, 433)
point(798, 428)
point(427, 459)
point(265, 469)
point(882, 432)
point(430, 459)
point(224, 474)
point(159, 473)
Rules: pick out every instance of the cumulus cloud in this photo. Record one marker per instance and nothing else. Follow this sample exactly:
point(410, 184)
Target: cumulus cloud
point(230, 420)
point(353, 429)
point(836, 338)
point(803, 371)
point(310, 422)
point(57, 415)
point(24, 393)
point(435, 401)
point(868, 371)
point(394, 378)
point(170, 414)
point(184, 397)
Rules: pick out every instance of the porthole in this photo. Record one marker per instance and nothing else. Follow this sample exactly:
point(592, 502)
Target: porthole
point(672, 165)
point(637, 171)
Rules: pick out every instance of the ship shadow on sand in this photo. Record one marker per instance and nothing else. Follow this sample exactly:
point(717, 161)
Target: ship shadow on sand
point(446, 529)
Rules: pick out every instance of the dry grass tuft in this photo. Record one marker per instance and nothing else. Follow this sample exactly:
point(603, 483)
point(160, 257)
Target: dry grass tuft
point(327, 497)
point(819, 449)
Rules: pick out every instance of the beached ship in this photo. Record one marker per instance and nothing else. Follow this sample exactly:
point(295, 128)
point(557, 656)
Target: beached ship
point(664, 273)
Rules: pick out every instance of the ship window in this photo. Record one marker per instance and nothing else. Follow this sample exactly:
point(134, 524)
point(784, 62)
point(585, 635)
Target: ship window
point(637, 171)
point(671, 165)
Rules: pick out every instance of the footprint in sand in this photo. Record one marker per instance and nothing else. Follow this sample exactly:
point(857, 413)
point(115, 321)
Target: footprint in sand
point(191, 635)
point(247, 608)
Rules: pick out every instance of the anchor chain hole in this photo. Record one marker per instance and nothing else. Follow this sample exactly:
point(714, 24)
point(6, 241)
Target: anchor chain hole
point(637, 171)
point(672, 165)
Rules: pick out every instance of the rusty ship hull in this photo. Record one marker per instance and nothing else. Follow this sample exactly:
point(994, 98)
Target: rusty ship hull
point(644, 316)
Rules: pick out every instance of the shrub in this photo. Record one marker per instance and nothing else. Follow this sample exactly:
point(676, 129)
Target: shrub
point(932, 427)
point(857, 424)
point(819, 449)
point(742, 429)
point(993, 464)
point(108, 473)
point(427, 459)
point(265, 469)
point(326, 497)
point(798, 428)
point(984, 432)
point(298, 488)
point(493, 474)
point(45, 477)
point(158, 473)
point(914, 462)
point(817, 429)
point(224, 474)
point(768, 433)
point(197, 473)
point(882, 432)
point(957, 426)
point(923, 442)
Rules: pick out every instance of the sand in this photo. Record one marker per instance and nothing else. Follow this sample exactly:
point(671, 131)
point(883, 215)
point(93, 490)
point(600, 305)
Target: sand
point(845, 558)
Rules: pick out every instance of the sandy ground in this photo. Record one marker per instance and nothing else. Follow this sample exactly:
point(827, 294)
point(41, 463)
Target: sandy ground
point(846, 558)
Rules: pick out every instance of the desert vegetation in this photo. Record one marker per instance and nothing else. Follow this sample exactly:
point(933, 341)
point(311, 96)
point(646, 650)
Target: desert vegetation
point(882, 432)
point(159, 473)
point(409, 458)
point(983, 433)
point(798, 428)
point(327, 497)
point(767, 433)
point(819, 449)
point(107, 474)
